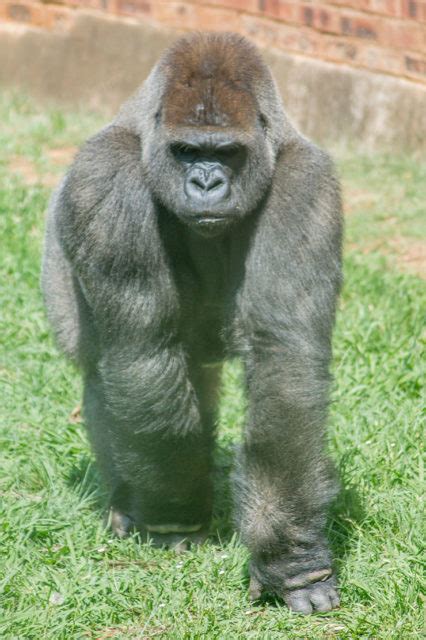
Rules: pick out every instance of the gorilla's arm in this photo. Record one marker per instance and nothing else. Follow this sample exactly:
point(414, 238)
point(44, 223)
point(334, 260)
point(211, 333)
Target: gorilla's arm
point(109, 232)
point(139, 387)
point(287, 307)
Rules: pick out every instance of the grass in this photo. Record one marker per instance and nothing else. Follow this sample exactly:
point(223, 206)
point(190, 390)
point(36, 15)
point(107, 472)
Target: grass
point(61, 574)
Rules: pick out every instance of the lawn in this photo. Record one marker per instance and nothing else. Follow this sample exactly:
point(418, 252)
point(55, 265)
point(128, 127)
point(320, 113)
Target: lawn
point(62, 576)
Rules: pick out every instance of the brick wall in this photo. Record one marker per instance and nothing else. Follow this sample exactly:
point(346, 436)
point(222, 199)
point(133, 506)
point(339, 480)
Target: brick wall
point(385, 36)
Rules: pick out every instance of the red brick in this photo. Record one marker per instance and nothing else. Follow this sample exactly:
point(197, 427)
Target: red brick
point(404, 35)
point(355, 52)
point(132, 7)
point(19, 12)
point(374, 58)
point(37, 14)
point(416, 65)
point(182, 15)
point(250, 6)
point(332, 20)
point(414, 9)
point(358, 27)
point(287, 10)
point(103, 5)
point(58, 18)
point(391, 33)
point(283, 36)
point(382, 7)
point(339, 50)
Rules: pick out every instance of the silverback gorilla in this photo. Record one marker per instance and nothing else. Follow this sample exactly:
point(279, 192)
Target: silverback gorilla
point(200, 225)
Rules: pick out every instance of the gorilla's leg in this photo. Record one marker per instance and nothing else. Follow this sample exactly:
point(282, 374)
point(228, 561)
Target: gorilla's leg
point(154, 449)
point(206, 379)
point(285, 482)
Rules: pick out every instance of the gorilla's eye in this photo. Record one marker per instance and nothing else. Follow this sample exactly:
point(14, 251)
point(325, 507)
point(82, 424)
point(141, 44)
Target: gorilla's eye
point(184, 152)
point(228, 151)
point(224, 153)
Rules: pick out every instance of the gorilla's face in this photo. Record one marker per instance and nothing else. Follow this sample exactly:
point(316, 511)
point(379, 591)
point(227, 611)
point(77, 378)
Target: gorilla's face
point(207, 154)
point(210, 177)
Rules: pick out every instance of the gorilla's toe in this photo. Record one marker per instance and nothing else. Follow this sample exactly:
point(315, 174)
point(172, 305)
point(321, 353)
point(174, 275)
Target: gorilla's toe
point(319, 596)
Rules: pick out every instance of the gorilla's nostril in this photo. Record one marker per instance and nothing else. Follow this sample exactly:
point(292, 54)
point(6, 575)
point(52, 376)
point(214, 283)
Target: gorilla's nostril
point(198, 182)
point(214, 183)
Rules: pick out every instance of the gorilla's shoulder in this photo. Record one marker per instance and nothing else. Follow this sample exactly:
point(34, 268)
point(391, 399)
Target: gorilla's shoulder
point(304, 168)
point(108, 150)
point(305, 155)
point(108, 161)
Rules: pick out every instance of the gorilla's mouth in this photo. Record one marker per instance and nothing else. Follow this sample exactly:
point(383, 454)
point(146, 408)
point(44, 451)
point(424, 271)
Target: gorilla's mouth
point(206, 219)
point(210, 225)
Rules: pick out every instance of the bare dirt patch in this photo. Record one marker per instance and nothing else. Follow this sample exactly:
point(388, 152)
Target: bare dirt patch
point(31, 174)
point(26, 169)
point(132, 633)
point(62, 156)
point(355, 199)
point(408, 254)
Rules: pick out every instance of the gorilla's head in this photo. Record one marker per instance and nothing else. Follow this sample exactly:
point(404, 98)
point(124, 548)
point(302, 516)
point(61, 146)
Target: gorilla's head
point(209, 152)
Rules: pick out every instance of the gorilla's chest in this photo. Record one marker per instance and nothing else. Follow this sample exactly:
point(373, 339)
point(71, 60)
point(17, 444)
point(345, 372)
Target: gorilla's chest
point(204, 284)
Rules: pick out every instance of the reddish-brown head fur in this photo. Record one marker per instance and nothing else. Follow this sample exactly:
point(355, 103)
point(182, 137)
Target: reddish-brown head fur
point(210, 80)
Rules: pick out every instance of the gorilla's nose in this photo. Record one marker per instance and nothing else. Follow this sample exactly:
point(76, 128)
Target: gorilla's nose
point(210, 184)
point(206, 180)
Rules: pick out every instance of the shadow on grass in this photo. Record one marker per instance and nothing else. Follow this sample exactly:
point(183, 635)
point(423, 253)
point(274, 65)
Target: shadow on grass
point(346, 513)
point(222, 526)
point(85, 481)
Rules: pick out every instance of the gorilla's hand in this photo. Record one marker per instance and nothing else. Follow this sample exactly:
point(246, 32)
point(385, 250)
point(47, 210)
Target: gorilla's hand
point(303, 593)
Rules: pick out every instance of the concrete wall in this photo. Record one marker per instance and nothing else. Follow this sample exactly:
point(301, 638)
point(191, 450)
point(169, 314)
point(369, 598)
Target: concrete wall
point(98, 59)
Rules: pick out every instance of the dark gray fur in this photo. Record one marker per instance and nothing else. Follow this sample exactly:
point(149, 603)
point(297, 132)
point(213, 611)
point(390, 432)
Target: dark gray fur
point(147, 308)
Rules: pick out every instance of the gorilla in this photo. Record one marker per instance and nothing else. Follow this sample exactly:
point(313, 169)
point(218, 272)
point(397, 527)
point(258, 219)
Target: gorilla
point(201, 225)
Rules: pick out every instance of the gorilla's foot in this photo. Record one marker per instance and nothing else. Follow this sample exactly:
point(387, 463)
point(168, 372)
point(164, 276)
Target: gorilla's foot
point(304, 593)
point(120, 523)
point(177, 537)
point(169, 536)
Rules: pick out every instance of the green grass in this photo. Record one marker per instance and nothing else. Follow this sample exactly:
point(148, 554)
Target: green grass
point(61, 574)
